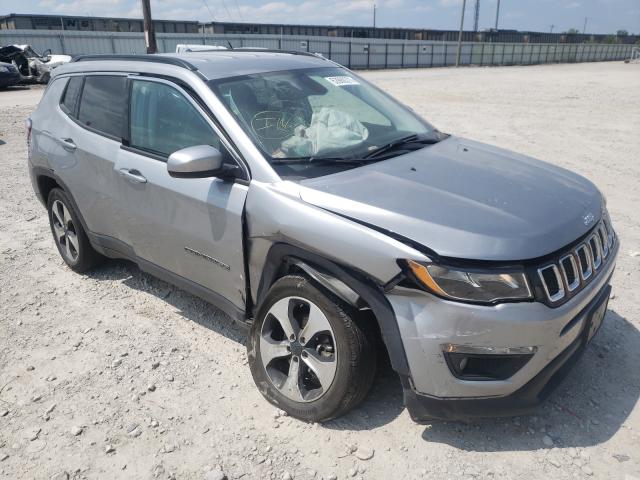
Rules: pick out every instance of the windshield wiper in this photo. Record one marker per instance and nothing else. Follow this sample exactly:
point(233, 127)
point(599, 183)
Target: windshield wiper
point(401, 142)
point(309, 160)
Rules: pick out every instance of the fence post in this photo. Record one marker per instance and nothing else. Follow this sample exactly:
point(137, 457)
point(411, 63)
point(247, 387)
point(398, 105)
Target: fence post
point(308, 45)
point(330, 44)
point(349, 60)
point(446, 53)
point(386, 55)
point(368, 55)
point(402, 58)
point(64, 48)
point(113, 44)
point(417, 55)
point(431, 56)
point(482, 54)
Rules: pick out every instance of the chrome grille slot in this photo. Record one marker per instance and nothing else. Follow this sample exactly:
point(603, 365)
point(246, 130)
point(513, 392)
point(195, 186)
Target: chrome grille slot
point(584, 259)
point(607, 226)
point(604, 240)
point(552, 282)
point(596, 251)
point(569, 269)
point(569, 273)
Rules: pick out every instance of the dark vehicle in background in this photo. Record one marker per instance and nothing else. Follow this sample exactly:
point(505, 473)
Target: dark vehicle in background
point(9, 75)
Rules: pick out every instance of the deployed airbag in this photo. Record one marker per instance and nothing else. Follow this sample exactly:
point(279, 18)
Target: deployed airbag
point(329, 130)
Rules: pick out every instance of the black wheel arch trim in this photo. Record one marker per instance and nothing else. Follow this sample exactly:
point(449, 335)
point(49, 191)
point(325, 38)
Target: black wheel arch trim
point(47, 172)
point(283, 255)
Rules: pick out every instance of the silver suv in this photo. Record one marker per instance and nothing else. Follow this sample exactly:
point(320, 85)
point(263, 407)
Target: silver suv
point(325, 216)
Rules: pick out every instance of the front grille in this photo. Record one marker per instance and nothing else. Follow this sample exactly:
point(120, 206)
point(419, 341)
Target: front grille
point(562, 278)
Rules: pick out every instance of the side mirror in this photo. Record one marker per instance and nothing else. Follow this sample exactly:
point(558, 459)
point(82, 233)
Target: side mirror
point(200, 161)
point(47, 53)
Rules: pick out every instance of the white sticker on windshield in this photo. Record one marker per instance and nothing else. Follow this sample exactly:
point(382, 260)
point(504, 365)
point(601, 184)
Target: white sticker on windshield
point(342, 81)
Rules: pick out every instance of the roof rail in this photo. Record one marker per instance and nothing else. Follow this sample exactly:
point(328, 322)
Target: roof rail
point(178, 62)
point(267, 50)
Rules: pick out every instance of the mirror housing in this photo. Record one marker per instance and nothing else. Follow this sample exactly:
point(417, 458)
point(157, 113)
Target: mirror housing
point(200, 161)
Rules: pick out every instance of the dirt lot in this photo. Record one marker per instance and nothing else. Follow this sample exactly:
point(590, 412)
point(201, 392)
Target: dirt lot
point(80, 354)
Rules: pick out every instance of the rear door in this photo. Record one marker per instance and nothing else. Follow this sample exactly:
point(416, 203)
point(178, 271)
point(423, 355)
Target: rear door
point(91, 133)
point(191, 227)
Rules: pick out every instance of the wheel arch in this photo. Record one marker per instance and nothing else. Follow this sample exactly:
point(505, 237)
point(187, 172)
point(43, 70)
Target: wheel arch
point(351, 286)
point(46, 180)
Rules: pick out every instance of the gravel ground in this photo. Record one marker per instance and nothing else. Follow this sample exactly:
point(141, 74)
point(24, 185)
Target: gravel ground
point(118, 375)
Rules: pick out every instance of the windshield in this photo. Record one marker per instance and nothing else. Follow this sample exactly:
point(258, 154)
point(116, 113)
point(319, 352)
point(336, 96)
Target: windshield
point(311, 122)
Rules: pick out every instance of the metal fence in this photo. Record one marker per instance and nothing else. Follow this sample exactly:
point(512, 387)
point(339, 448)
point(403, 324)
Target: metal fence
point(353, 53)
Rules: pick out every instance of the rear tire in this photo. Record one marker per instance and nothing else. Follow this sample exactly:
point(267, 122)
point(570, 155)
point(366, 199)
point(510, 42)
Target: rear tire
point(316, 378)
point(69, 236)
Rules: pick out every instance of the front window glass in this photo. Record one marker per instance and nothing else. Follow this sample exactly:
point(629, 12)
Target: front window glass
point(163, 121)
point(311, 122)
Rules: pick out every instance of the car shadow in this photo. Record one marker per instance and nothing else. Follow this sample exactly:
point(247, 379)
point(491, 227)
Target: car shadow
point(587, 409)
point(382, 405)
point(188, 306)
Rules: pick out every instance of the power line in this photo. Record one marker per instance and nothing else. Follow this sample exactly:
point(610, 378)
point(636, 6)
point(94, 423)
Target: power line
point(213, 17)
point(239, 11)
point(224, 5)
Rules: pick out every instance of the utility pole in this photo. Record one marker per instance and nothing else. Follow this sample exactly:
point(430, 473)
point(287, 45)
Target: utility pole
point(476, 16)
point(584, 28)
point(374, 14)
point(149, 32)
point(497, 13)
point(464, 5)
point(551, 31)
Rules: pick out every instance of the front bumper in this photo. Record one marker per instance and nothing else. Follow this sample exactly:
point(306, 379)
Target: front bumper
point(427, 322)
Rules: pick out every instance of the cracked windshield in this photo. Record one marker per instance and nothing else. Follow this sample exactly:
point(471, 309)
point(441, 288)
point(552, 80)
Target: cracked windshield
point(311, 122)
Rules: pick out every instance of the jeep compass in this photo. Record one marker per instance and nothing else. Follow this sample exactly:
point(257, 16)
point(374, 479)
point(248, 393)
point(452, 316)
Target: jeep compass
point(332, 221)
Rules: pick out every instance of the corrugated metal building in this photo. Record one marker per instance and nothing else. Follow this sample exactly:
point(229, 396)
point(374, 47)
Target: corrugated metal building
point(494, 36)
point(103, 24)
point(94, 24)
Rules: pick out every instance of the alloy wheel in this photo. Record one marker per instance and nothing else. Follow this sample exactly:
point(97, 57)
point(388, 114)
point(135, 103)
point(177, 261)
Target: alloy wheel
point(65, 231)
point(298, 349)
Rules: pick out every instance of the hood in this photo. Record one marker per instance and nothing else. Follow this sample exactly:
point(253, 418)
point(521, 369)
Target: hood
point(463, 199)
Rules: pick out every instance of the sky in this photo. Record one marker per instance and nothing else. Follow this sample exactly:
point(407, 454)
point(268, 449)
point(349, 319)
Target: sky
point(603, 16)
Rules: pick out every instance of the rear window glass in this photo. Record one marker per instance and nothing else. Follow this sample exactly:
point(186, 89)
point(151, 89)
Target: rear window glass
point(72, 96)
point(104, 104)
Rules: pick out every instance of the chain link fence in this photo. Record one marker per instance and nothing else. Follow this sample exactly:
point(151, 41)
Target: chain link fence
point(352, 53)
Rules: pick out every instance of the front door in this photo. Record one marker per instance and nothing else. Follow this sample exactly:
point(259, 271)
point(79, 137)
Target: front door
point(191, 227)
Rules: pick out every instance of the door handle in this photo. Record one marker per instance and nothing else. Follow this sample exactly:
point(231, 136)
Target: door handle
point(133, 175)
point(67, 144)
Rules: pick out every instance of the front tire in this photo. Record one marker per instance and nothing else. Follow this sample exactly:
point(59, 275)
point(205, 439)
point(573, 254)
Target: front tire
point(70, 238)
point(308, 356)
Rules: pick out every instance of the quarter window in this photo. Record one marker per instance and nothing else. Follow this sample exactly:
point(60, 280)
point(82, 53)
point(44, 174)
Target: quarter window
point(164, 121)
point(104, 104)
point(71, 97)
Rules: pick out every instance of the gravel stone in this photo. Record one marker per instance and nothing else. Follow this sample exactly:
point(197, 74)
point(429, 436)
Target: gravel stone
point(364, 453)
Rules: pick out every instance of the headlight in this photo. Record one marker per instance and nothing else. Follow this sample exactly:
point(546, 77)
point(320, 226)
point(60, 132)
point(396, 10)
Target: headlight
point(471, 286)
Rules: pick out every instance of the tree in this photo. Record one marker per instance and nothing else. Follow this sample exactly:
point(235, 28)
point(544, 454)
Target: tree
point(622, 33)
point(573, 31)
